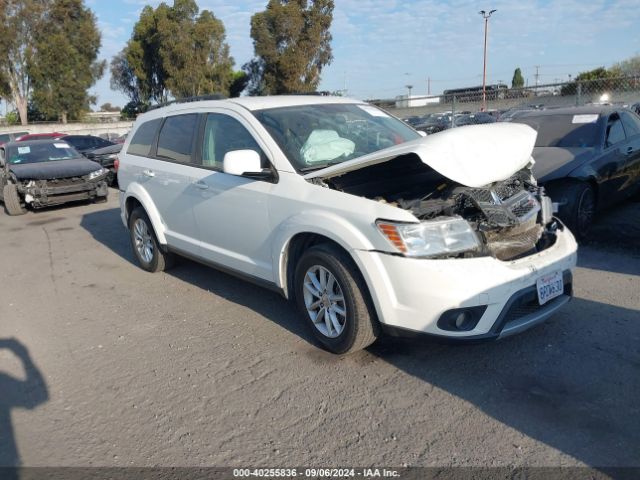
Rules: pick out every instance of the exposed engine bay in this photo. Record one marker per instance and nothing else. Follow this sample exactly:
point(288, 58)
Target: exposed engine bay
point(513, 218)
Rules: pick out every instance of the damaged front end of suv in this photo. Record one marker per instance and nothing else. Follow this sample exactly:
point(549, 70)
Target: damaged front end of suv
point(471, 190)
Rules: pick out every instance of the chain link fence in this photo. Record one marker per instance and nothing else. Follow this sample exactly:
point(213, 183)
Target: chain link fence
point(467, 106)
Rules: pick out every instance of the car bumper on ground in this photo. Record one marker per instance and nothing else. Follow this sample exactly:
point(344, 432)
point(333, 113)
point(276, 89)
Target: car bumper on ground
point(415, 296)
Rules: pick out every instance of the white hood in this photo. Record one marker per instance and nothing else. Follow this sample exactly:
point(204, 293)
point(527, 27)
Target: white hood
point(473, 156)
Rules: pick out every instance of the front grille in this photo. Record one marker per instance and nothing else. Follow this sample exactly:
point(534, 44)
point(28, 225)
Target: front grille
point(525, 303)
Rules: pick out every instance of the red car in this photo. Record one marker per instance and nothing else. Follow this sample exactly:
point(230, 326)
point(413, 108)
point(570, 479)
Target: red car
point(40, 136)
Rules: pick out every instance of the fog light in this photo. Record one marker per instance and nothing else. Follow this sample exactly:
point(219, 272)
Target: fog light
point(461, 319)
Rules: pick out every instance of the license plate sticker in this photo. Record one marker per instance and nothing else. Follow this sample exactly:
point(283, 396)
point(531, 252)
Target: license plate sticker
point(549, 287)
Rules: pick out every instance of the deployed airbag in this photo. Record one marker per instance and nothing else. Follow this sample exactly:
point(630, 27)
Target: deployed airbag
point(324, 146)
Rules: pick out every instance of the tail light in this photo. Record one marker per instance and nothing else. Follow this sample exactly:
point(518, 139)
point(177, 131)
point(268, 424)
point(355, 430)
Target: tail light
point(116, 164)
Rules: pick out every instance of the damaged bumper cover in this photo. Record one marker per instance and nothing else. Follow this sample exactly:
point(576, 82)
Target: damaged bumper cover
point(46, 193)
point(413, 294)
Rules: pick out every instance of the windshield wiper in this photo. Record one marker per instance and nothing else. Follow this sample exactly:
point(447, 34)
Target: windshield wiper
point(320, 167)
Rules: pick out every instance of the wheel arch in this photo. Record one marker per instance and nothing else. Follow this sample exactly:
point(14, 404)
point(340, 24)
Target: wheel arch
point(136, 196)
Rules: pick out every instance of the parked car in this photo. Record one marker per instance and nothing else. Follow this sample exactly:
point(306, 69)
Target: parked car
point(474, 119)
point(587, 158)
point(107, 157)
point(40, 136)
point(447, 235)
point(86, 143)
point(434, 124)
point(10, 137)
point(413, 120)
point(43, 173)
point(635, 108)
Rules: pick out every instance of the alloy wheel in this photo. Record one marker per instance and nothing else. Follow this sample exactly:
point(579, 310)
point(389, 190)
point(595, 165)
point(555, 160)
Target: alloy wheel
point(324, 301)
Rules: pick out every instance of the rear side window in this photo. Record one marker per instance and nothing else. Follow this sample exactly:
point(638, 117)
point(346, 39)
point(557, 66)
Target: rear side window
point(176, 138)
point(143, 138)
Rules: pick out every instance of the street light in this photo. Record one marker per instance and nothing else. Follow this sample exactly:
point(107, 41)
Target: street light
point(486, 17)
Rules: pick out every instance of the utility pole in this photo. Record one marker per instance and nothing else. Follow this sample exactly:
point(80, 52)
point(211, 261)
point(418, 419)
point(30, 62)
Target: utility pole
point(428, 85)
point(486, 17)
point(537, 76)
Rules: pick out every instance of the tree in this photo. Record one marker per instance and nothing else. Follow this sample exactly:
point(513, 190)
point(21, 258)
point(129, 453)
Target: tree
point(629, 67)
point(593, 81)
point(173, 50)
point(107, 107)
point(518, 79)
point(238, 84)
point(65, 63)
point(19, 22)
point(292, 44)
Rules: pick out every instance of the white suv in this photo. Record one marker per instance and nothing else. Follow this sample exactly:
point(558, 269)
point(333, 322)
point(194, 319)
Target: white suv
point(343, 208)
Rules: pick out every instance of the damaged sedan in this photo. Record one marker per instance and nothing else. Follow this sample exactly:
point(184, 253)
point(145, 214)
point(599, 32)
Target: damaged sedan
point(365, 225)
point(42, 173)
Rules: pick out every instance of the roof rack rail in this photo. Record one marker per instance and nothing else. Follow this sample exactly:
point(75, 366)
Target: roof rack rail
point(199, 98)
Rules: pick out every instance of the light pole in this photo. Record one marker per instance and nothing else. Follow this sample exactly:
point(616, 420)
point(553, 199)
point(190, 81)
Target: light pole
point(486, 17)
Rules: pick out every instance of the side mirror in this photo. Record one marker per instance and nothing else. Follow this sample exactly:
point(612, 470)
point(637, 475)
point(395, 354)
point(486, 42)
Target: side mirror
point(242, 162)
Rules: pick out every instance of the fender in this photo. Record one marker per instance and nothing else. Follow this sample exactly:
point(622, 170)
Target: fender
point(135, 190)
point(320, 222)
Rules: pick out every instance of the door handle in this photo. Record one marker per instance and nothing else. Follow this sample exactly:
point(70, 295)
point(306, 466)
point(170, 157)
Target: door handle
point(629, 150)
point(201, 185)
point(149, 173)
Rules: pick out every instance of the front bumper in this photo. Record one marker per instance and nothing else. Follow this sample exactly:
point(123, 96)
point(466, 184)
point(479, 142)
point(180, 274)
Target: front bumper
point(48, 194)
point(411, 295)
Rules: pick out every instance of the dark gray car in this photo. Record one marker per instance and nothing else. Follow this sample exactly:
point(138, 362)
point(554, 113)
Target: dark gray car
point(41, 173)
point(587, 158)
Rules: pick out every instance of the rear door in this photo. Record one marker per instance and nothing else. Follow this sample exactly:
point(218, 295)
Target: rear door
point(159, 159)
point(232, 211)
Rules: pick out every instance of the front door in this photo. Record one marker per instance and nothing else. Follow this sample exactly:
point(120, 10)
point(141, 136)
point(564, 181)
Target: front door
point(231, 211)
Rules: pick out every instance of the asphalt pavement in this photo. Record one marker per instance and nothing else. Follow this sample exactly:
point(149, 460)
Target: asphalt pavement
point(103, 364)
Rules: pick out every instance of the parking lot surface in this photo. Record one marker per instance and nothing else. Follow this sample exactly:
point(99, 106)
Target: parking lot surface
point(194, 367)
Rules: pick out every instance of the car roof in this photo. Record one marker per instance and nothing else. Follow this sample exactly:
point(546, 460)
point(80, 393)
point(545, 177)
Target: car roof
point(584, 110)
point(26, 143)
point(253, 103)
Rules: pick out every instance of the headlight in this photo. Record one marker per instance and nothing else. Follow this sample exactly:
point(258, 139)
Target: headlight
point(97, 174)
point(430, 238)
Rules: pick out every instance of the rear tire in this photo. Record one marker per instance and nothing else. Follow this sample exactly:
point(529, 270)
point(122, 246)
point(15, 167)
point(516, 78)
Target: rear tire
point(340, 326)
point(12, 203)
point(145, 244)
point(579, 206)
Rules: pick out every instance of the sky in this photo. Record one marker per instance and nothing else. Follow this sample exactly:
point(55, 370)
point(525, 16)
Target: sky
point(380, 46)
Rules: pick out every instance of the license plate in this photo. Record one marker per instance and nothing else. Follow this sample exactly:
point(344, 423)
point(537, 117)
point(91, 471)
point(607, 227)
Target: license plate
point(549, 287)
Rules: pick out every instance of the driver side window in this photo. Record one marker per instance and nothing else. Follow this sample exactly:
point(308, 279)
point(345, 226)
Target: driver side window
point(224, 134)
point(615, 131)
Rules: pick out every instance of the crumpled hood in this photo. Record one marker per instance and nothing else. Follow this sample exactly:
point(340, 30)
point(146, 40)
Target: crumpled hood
point(474, 156)
point(555, 162)
point(76, 167)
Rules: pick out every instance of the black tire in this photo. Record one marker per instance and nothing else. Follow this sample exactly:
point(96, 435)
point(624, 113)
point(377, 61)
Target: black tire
point(578, 207)
point(12, 204)
point(360, 327)
point(160, 260)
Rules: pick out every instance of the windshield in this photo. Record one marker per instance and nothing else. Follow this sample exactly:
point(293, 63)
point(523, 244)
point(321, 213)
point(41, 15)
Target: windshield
point(40, 152)
point(564, 131)
point(316, 136)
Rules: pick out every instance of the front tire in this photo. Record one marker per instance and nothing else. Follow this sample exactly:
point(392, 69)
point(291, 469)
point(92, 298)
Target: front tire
point(334, 300)
point(12, 203)
point(579, 206)
point(145, 243)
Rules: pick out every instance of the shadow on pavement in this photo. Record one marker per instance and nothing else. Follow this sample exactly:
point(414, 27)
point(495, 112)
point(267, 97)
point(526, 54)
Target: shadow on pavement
point(571, 383)
point(16, 393)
